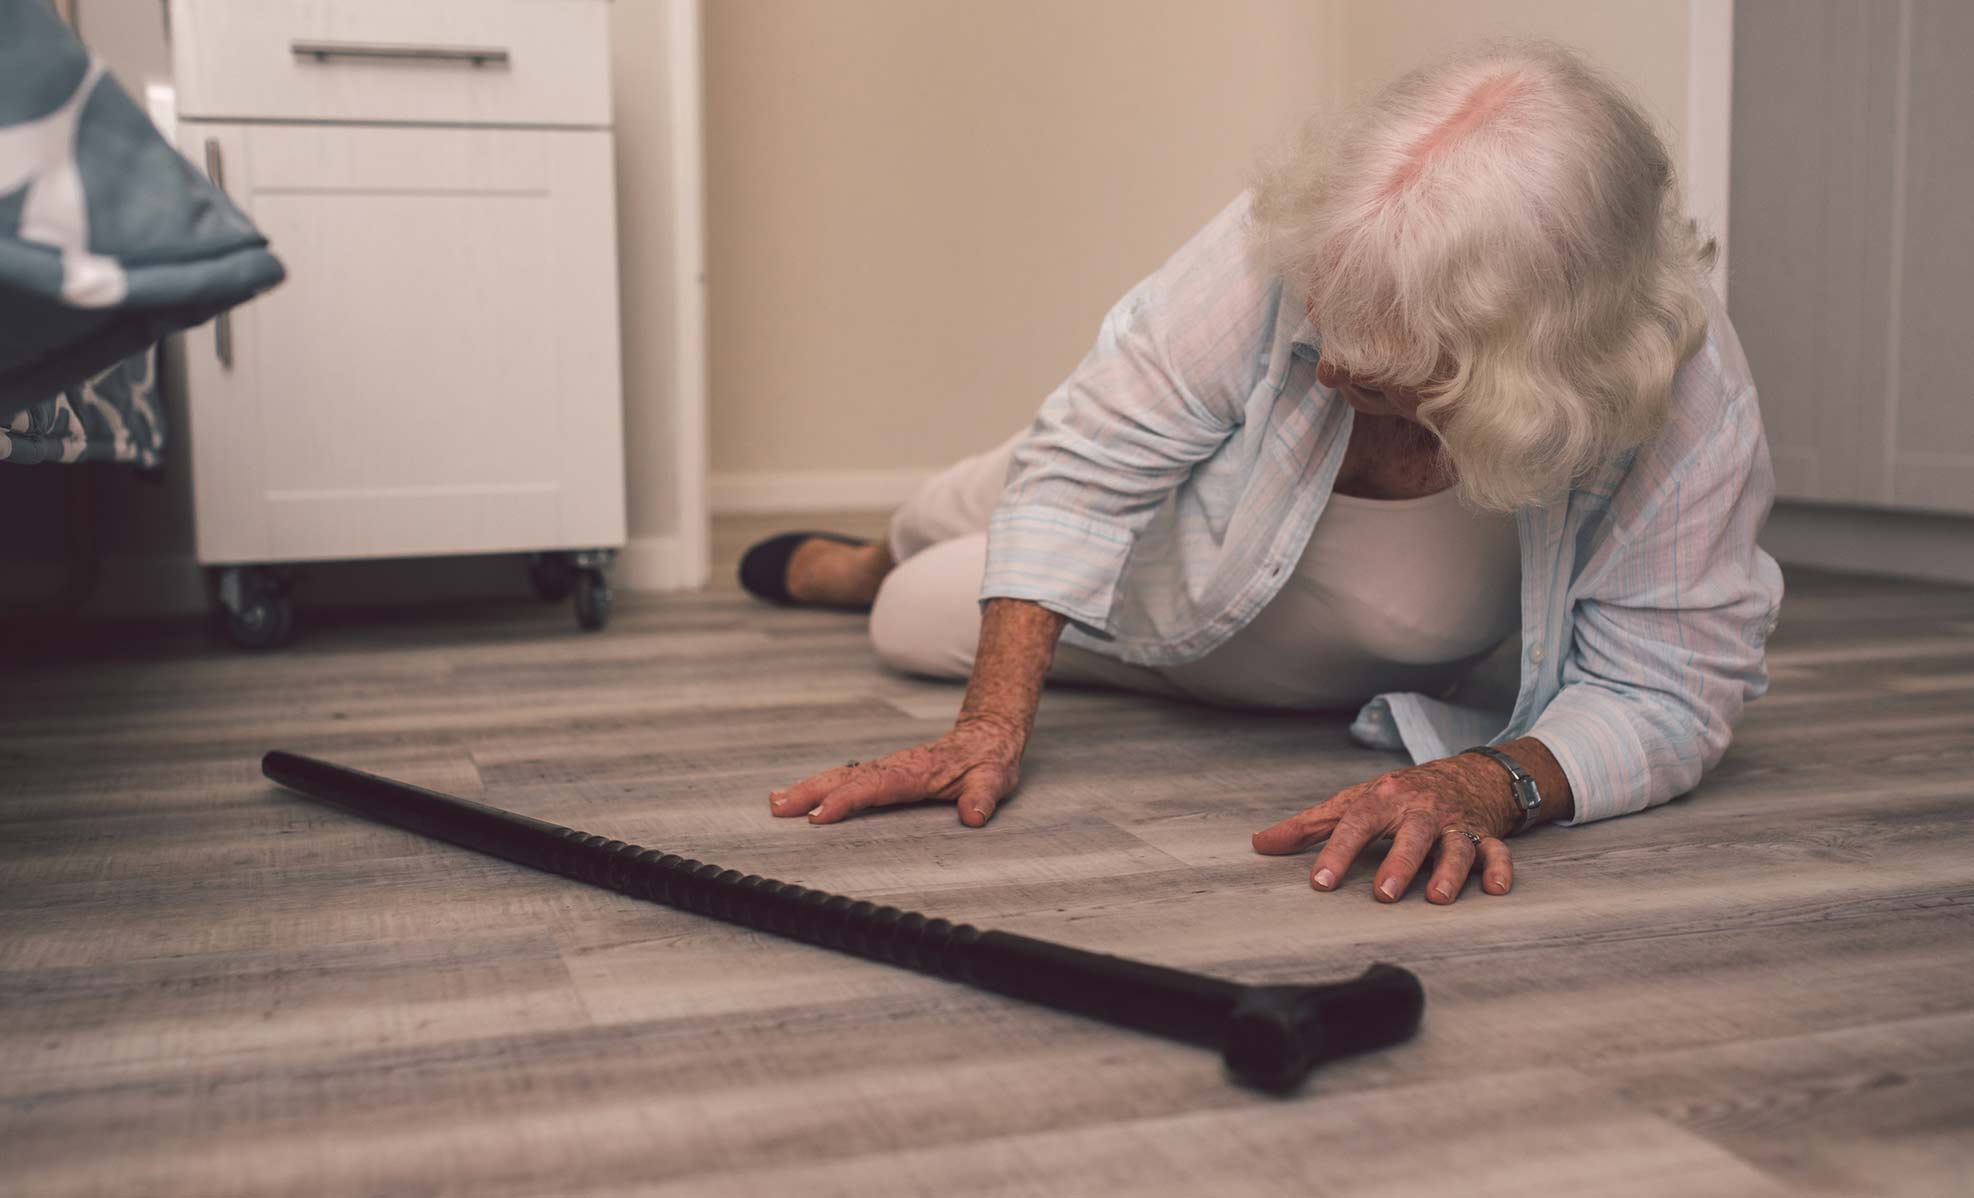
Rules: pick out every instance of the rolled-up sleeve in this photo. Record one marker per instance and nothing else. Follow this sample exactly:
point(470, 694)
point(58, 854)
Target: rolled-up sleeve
point(1669, 633)
point(1160, 391)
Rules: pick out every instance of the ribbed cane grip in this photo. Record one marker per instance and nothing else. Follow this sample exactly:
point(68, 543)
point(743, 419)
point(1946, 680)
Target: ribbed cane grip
point(888, 934)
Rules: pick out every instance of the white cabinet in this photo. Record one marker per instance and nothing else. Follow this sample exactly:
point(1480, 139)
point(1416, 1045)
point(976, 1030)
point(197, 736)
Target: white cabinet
point(440, 372)
point(1854, 246)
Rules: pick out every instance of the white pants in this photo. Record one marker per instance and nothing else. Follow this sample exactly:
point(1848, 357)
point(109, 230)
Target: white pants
point(926, 618)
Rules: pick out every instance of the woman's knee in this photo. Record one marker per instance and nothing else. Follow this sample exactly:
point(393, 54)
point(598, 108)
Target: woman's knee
point(926, 618)
point(955, 503)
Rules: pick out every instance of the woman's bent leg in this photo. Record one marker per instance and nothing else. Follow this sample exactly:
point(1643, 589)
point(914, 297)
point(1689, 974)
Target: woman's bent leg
point(952, 503)
point(826, 572)
point(926, 621)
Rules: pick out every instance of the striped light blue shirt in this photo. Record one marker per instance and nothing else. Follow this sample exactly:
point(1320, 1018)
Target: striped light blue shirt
point(1168, 487)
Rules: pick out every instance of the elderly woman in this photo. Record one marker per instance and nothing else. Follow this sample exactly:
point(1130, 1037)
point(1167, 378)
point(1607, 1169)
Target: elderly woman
point(1451, 369)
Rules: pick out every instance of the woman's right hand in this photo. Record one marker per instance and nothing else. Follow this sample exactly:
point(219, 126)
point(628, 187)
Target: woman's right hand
point(976, 765)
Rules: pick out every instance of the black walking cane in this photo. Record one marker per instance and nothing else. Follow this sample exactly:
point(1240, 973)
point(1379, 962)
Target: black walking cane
point(1270, 1036)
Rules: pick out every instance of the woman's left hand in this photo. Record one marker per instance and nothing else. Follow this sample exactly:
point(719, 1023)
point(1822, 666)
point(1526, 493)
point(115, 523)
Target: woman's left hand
point(1421, 808)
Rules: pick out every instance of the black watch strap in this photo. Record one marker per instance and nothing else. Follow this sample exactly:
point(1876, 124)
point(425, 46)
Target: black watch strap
point(1527, 795)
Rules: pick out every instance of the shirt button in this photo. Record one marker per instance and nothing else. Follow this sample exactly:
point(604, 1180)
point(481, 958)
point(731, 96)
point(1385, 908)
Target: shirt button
point(1535, 654)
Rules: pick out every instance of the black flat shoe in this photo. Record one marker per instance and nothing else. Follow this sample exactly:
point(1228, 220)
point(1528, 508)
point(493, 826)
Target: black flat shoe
point(764, 567)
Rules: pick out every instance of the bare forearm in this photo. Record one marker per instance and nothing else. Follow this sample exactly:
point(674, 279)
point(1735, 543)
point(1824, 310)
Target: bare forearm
point(1017, 644)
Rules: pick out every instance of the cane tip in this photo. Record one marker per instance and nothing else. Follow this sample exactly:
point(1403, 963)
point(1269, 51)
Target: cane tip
point(283, 767)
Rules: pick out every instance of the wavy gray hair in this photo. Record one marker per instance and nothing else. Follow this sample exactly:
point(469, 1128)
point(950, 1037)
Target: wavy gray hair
point(1503, 231)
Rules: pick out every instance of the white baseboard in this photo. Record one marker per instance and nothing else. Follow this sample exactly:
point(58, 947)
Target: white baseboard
point(659, 564)
point(755, 492)
point(1936, 547)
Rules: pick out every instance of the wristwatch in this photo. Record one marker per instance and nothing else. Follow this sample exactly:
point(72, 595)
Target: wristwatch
point(1527, 796)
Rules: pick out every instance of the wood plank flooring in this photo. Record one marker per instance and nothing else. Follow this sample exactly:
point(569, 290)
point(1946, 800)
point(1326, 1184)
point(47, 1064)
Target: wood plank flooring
point(209, 986)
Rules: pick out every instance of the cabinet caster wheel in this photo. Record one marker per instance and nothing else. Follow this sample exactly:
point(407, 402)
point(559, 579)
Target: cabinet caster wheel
point(553, 577)
point(254, 608)
point(592, 599)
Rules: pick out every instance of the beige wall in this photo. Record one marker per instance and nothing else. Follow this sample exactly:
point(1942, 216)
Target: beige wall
point(919, 211)
point(130, 37)
point(1642, 42)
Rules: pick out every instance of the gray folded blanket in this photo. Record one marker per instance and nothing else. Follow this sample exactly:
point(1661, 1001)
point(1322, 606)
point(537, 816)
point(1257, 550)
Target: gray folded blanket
point(108, 238)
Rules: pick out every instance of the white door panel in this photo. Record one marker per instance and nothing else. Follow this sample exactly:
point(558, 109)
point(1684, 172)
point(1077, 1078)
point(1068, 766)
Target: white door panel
point(1931, 425)
point(439, 374)
point(1853, 157)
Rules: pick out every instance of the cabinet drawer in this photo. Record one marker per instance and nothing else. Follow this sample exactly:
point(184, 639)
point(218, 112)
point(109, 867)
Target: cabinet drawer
point(497, 62)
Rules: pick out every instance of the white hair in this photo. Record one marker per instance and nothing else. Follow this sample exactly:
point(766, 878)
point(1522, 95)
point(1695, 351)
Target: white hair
point(1504, 232)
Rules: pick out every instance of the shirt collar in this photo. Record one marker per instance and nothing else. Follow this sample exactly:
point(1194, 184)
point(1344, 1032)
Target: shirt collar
point(1305, 342)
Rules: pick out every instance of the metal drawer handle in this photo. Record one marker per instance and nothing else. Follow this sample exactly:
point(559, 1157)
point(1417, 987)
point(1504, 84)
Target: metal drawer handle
point(476, 55)
point(222, 325)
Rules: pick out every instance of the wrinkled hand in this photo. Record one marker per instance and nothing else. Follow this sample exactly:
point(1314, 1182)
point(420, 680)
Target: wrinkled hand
point(1421, 808)
point(976, 765)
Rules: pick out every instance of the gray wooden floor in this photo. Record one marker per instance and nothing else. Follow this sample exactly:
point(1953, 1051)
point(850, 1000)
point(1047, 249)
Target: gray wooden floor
point(211, 987)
